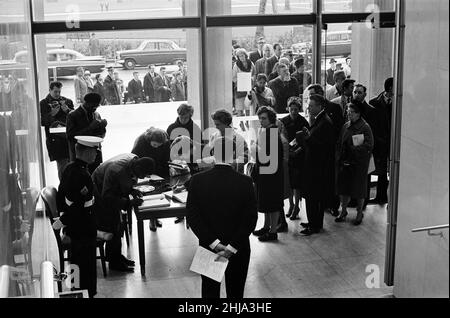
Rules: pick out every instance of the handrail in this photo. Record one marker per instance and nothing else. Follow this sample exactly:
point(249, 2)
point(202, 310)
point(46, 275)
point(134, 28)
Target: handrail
point(430, 228)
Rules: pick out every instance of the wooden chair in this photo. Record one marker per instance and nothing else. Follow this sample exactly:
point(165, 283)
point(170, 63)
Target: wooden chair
point(48, 195)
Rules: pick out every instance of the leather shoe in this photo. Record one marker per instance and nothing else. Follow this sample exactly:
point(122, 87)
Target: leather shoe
point(358, 219)
point(127, 261)
point(283, 227)
point(295, 213)
point(305, 225)
point(334, 212)
point(158, 223)
point(268, 237)
point(291, 210)
point(120, 267)
point(260, 232)
point(179, 220)
point(309, 231)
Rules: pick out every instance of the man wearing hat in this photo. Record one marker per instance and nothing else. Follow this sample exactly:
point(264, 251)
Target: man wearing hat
point(85, 121)
point(303, 78)
point(330, 72)
point(112, 94)
point(76, 201)
point(258, 54)
point(113, 184)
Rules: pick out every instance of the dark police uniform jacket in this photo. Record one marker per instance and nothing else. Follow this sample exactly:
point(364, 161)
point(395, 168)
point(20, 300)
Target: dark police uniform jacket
point(76, 200)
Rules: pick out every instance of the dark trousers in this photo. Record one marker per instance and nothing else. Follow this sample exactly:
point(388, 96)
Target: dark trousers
point(382, 186)
point(83, 254)
point(113, 248)
point(315, 210)
point(235, 277)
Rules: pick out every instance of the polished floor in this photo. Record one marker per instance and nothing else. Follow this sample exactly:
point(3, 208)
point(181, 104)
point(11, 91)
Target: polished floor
point(330, 264)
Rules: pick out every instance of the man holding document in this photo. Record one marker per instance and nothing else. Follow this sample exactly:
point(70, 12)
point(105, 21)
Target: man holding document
point(222, 213)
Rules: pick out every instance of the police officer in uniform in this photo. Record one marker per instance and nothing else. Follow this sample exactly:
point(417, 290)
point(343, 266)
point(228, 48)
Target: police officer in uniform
point(76, 200)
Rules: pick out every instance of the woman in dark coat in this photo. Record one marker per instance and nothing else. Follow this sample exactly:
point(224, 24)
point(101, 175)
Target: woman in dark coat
point(294, 123)
point(99, 89)
point(269, 183)
point(155, 144)
point(353, 153)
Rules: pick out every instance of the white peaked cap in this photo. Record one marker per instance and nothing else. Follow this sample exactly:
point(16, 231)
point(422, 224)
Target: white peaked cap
point(89, 141)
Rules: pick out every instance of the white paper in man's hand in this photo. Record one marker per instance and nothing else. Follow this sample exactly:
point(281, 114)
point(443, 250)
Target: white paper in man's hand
point(204, 263)
point(244, 82)
point(358, 140)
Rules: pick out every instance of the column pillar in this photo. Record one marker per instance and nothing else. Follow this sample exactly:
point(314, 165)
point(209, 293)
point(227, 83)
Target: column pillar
point(372, 50)
point(218, 62)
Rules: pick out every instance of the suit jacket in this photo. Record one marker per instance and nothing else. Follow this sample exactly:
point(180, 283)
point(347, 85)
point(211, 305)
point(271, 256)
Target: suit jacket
point(383, 129)
point(149, 88)
point(221, 205)
point(100, 89)
point(260, 66)
point(81, 88)
point(81, 123)
point(318, 170)
point(330, 77)
point(282, 92)
point(135, 89)
point(270, 63)
point(255, 56)
point(304, 79)
point(56, 143)
point(334, 111)
point(113, 181)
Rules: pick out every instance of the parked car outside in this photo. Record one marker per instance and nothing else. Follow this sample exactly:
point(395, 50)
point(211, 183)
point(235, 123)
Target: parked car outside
point(64, 62)
point(156, 51)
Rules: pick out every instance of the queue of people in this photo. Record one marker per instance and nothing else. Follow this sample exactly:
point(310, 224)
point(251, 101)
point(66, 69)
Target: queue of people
point(323, 159)
point(155, 87)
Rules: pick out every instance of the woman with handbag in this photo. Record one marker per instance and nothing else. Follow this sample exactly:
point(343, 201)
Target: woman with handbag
point(294, 123)
point(268, 176)
point(353, 153)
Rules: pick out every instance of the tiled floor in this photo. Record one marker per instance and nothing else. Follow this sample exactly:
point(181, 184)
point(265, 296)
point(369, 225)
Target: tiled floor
point(330, 264)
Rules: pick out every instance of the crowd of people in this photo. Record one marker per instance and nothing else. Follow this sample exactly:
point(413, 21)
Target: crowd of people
point(155, 87)
point(323, 158)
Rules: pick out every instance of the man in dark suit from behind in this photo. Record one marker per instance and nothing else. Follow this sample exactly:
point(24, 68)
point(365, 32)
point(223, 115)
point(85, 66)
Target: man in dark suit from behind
point(318, 178)
point(381, 151)
point(333, 111)
point(222, 214)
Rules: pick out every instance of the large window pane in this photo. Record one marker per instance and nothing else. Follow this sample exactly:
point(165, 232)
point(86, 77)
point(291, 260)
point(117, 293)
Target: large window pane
point(63, 10)
point(129, 54)
point(362, 52)
point(20, 178)
point(336, 6)
point(258, 7)
point(224, 87)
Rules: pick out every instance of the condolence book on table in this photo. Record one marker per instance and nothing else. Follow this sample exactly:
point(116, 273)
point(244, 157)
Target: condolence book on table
point(154, 201)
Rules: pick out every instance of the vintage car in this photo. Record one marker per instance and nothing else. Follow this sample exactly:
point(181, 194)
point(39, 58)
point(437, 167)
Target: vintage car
point(335, 44)
point(158, 52)
point(64, 62)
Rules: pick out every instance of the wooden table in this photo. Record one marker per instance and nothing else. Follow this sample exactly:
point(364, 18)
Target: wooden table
point(176, 209)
